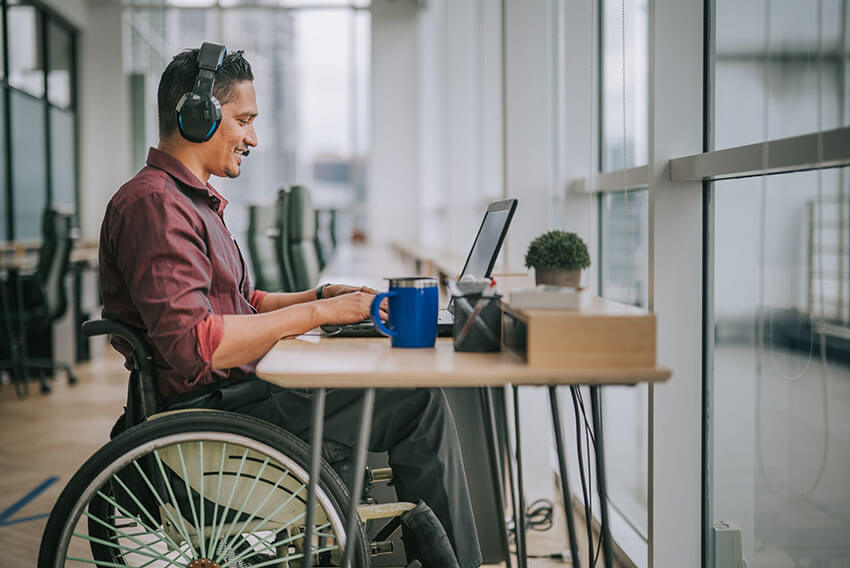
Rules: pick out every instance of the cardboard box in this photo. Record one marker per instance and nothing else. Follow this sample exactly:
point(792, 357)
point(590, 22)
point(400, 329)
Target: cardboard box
point(604, 335)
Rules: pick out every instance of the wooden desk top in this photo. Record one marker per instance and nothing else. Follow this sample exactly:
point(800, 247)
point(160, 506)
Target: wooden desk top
point(336, 362)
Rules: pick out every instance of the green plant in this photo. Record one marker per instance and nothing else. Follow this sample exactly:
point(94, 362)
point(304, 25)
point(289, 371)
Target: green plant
point(557, 250)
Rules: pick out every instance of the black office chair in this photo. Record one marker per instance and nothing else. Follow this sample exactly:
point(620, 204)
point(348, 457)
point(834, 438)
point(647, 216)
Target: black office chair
point(281, 241)
point(38, 300)
point(262, 230)
point(301, 230)
point(325, 239)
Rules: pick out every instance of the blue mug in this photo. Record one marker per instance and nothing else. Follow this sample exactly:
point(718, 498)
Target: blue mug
point(412, 312)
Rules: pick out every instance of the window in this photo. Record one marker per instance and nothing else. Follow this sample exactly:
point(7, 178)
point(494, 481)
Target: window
point(780, 366)
point(26, 53)
point(780, 322)
point(623, 261)
point(59, 65)
point(29, 157)
point(625, 84)
point(39, 144)
point(767, 73)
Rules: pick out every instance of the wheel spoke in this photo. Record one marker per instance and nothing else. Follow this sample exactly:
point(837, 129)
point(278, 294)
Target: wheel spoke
point(158, 499)
point(199, 529)
point(182, 523)
point(265, 521)
point(257, 509)
point(227, 538)
point(214, 541)
point(155, 554)
point(218, 491)
point(286, 540)
point(124, 535)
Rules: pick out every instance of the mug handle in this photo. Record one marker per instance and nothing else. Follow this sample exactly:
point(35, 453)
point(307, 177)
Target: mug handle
point(376, 318)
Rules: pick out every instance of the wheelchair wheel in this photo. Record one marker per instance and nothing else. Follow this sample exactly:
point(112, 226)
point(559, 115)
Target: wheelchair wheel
point(198, 489)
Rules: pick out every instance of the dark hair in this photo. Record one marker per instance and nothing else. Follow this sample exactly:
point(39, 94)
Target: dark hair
point(179, 79)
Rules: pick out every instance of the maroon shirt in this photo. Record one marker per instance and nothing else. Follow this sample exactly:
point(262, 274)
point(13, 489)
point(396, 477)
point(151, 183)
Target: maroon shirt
point(170, 266)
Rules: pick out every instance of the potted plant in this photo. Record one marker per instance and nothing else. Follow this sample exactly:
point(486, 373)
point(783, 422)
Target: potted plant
point(558, 257)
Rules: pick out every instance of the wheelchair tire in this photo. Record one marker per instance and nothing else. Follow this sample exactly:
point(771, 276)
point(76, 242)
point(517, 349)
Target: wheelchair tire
point(139, 500)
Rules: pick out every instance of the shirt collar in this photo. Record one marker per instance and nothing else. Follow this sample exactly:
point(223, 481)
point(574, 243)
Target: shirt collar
point(175, 168)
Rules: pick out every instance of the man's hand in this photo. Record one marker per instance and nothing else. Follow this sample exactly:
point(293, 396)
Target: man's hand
point(349, 306)
point(334, 290)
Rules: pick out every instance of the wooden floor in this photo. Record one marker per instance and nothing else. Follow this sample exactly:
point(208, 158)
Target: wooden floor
point(45, 438)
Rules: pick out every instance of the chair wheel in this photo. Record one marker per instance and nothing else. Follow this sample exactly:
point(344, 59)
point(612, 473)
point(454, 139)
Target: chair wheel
point(45, 388)
point(72, 379)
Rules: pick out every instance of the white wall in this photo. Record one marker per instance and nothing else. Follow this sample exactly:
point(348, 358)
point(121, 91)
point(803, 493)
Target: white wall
point(105, 138)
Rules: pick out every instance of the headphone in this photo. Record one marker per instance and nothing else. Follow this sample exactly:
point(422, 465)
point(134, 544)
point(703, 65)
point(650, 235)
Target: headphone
point(199, 112)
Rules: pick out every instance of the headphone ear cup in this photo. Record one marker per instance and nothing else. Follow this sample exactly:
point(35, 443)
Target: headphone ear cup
point(198, 117)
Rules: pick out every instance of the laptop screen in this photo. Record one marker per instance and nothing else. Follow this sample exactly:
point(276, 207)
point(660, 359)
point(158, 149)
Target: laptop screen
point(489, 239)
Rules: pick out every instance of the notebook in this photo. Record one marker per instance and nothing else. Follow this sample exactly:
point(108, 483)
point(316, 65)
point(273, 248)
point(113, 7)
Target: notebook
point(479, 263)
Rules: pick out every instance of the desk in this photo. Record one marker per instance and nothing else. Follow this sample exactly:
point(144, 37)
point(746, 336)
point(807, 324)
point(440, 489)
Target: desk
point(330, 362)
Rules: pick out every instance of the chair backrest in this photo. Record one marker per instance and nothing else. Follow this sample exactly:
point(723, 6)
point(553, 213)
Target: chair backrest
point(281, 241)
point(53, 261)
point(301, 230)
point(262, 226)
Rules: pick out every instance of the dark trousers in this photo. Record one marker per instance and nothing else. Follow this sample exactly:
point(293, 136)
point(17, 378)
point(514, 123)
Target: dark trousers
point(414, 426)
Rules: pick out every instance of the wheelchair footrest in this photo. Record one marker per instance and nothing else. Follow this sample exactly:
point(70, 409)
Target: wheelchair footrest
point(383, 510)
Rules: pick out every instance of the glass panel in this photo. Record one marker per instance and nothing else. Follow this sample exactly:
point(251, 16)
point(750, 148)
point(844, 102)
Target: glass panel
point(781, 382)
point(625, 246)
point(767, 69)
point(625, 265)
point(29, 156)
point(624, 137)
point(328, 71)
point(59, 65)
point(62, 156)
point(26, 57)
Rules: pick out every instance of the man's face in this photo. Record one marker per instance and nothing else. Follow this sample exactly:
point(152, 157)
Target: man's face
point(236, 133)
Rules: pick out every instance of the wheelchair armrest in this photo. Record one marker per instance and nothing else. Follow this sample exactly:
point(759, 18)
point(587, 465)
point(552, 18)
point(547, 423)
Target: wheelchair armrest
point(125, 332)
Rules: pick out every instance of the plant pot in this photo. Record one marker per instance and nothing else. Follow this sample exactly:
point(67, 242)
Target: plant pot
point(558, 277)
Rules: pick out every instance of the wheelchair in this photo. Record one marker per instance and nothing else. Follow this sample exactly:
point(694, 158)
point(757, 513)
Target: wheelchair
point(212, 489)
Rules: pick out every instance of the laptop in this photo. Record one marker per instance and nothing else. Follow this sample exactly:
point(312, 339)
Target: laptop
point(479, 263)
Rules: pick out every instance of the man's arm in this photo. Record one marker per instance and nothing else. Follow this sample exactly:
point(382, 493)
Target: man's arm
point(278, 300)
point(246, 338)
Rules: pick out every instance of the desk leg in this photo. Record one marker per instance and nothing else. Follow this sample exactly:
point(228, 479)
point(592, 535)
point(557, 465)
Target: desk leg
point(566, 496)
point(596, 410)
point(519, 509)
point(495, 467)
point(315, 472)
point(359, 467)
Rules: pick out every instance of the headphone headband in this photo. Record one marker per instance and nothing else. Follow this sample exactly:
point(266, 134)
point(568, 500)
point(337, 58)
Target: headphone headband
point(199, 112)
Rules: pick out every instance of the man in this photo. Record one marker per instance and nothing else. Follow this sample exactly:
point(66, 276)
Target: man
point(170, 267)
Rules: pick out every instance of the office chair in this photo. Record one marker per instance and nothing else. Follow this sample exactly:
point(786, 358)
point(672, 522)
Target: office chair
point(262, 230)
point(325, 239)
point(41, 299)
point(301, 231)
point(281, 241)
